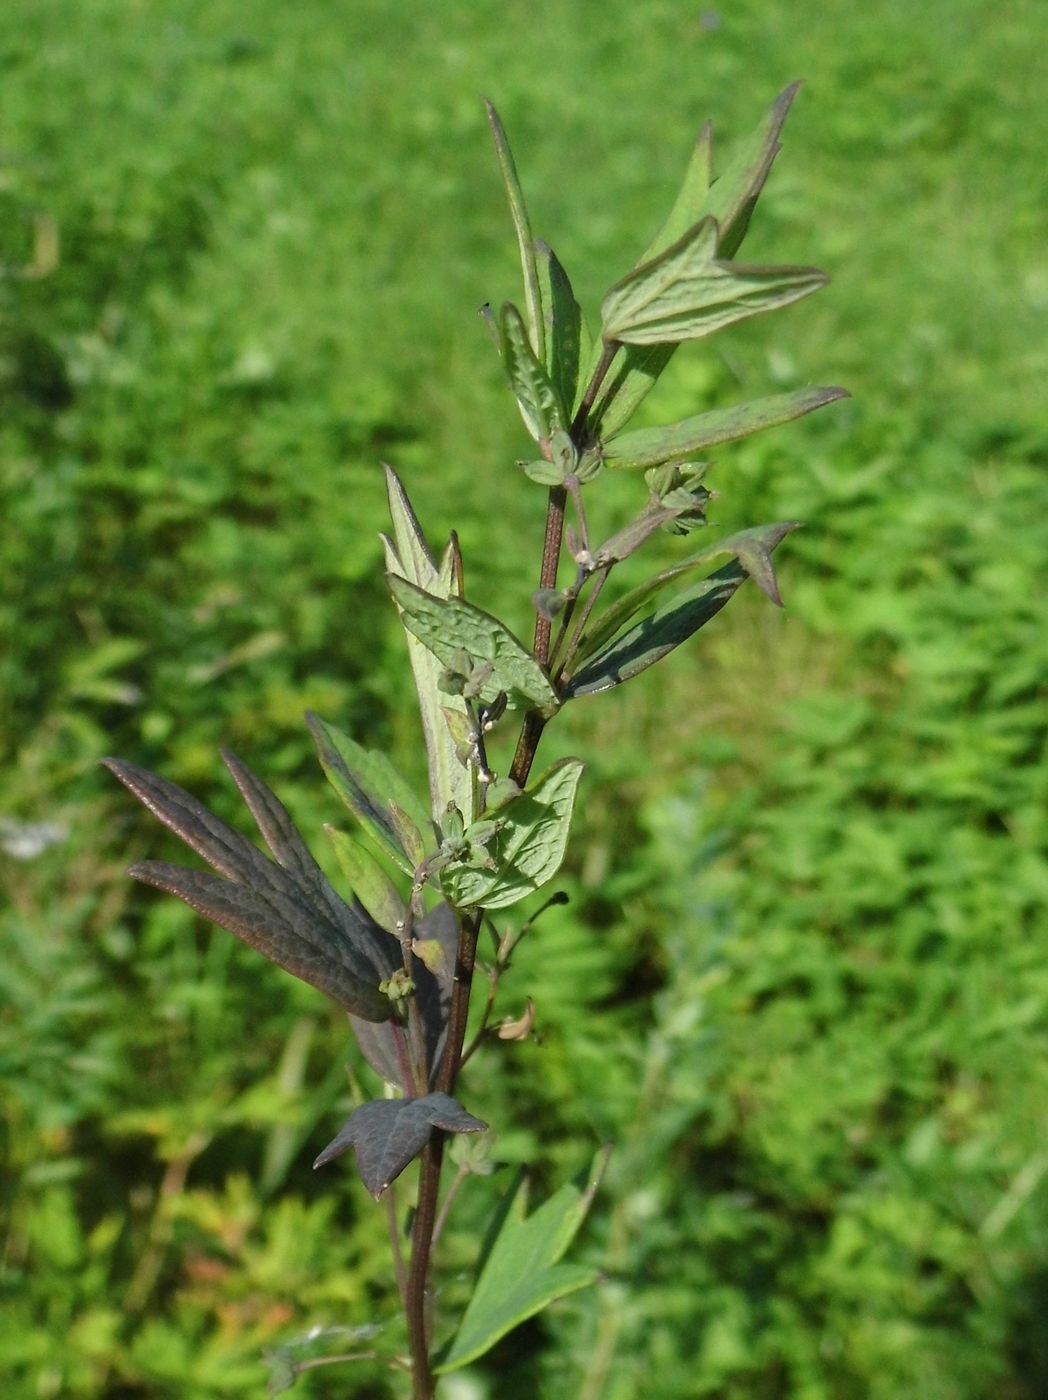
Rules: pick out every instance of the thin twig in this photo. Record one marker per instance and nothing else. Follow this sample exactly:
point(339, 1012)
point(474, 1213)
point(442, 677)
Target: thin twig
point(448, 1201)
point(394, 1239)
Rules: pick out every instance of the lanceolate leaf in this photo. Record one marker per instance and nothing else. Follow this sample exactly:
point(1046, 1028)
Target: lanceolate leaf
point(388, 1134)
point(407, 554)
point(369, 784)
point(523, 227)
point(369, 882)
point(687, 292)
point(617, 651)
point(648, 447)
point(529, 846)
point(566, 337)
point(688, 206)
point(521, 1272)
point(288, 911)
point(730, 200)
point(447, 624)
point(539, 401)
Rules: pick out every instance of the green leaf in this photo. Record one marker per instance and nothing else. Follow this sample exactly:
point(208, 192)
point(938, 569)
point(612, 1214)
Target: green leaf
point(387, 1134)
point(374, 792)
point(688, 206)
point(521, 223)
point(616, 651)
point(730, 200)
point(521, 1272)
point(566, 337)
point(407, 554)
point(687, 292)
point(369, 882)
point(528, 847)
point(540, 404)
point(447, 624)
point(649, 447)
point(734, 194)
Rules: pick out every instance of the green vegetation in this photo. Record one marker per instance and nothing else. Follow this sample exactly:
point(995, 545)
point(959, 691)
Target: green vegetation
point(237, 247)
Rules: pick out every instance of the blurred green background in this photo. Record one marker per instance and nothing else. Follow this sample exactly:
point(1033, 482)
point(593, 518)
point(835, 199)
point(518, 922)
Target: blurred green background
point(803, 980)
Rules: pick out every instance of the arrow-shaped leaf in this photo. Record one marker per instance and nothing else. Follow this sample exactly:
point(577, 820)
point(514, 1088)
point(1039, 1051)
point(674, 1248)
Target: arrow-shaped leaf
point(539, 402)
point(374, 792)
point(528, 848)
point(447, 625)
point(616, 651)
point(687, 292)
point(521, 1273)
point(288, 911)
point(388, 1134)
point(648, 447)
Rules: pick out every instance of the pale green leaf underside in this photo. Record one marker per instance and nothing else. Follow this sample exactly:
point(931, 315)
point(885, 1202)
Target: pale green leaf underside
point(648, 447)
point(522, 1273)
point(447, 624)
point(528, 850)
point(407, 554)
point(540, 405)
point(687, 292)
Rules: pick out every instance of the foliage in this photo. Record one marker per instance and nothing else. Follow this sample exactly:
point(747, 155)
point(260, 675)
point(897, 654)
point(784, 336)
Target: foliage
point(828, 1180)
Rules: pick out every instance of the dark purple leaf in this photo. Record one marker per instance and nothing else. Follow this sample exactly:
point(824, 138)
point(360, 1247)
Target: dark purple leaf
point(388, 1134)
point(288, 912)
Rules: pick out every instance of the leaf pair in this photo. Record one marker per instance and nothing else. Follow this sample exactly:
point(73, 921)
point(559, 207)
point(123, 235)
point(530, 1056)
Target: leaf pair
point(617, 648)
point(286, 910)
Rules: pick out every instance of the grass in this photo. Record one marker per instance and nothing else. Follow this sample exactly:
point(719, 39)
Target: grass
point(801, 983)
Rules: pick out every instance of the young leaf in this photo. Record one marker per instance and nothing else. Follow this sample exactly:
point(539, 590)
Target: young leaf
point(447, 624)
point(388, 1134)
point(759, 538)
point(648, 447)
point(407, 554)
point(528, 847)
point(521, 1273)
point(522, 225)
point(565, 334)
point(688, 206)
point(539, 402)
point(373, 791)
point(621, 654)
point(288, 911)
point(369, 882)
point(687, 292)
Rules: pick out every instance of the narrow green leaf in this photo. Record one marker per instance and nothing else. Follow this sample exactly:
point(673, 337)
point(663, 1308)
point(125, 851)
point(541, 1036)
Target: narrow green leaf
point(522, 225)
point(539, 402)
point(369, 785)
point(686, 292)
point(369, 882)
point(566, 337)
point(407, 554)
point(447, 624)
point(649, 447)
point(528, 848)
point(634, 373)
point(521, 1273)
point(614, 651)
point(734, 194)
point(688, 207)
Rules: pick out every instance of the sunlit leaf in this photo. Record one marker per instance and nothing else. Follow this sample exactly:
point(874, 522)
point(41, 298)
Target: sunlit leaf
point(565, 334)
point(687, 292)
point(407, 554)
point(525, 243)
point(648, 447)
point(368, 881)
point(371, 787)
point(447, 625)
point(688, 206)
point(528, 847)
point(615, 651)
point(521, 1272)
point(388, 1134)
point(540, 404)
